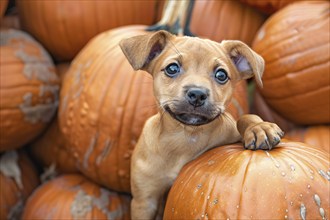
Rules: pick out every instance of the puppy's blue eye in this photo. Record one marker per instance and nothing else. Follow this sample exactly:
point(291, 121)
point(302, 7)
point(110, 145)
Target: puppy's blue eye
point(221, 76)
point(172, 69)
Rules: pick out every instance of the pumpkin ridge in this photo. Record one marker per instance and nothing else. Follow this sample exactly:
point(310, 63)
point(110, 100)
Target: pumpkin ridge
point(302, 51)
point(325, 87)
point(243, 183)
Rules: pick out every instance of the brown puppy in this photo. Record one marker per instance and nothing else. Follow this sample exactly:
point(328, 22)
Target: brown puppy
point(194, 81)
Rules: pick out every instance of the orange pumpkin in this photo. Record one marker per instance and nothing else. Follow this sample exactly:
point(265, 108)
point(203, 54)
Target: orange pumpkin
point(75, 197)
point(104, 105)
point(225, 20)
point(18, 178)
point(50, 149)
point(268, 6)
point(317, 136)
point(3, 7)
point(64, 27)
point(295, 45)
point(228, 182)
point(262, 109)
point(29, 89)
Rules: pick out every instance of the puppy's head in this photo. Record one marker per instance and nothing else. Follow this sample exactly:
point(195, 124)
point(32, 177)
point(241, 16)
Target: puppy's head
point(194, 78)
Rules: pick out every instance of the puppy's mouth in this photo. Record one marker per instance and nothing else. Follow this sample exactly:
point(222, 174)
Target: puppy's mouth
point(190, 118)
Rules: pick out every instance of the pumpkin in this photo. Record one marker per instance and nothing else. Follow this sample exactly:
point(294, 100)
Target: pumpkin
point(29, 89)
point(73, 196)
point(228, 182)
point(262, 109)
point(268, 6)
point(104, 106)
point(49, 149)
point(225, 20)
point(18, 178)
point(3, 6)
point(317, 136)
point(296, 78)
point(64, 27)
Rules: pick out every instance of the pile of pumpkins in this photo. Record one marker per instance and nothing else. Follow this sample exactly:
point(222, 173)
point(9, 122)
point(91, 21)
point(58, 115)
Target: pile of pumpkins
point(72, 110)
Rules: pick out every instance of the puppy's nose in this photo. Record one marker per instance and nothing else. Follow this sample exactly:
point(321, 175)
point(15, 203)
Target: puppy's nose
point(196, 96)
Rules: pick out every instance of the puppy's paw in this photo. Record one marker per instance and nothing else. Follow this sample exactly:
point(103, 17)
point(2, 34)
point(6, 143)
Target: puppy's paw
point(263, 135)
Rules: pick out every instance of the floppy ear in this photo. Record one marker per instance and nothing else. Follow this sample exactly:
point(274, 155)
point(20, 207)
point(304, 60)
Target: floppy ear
point(141, 50)
point(247, 62)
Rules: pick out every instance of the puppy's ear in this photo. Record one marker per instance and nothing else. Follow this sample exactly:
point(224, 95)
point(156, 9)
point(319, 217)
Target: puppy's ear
point(246, 61)
point(141, 50)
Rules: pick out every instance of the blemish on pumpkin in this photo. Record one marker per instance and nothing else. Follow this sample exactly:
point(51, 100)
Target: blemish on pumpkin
point(292, 167)
point(210, 162)
point(106, 149)
point(322, 213)
point(121, 173)
point(199, 186)
point(317, 200)
point(38, 113)
point(16, 210)
point(90, 150)
point(308, 186)
point(10, 168)
point(303, 211)
point(324, 175)
point(81, 205)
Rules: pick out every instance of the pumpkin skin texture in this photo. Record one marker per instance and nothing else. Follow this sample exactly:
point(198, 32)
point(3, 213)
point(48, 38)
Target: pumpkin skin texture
point(268, 6)
point(317, 136)
point(18, 178)
point(225, 20)
point(49, 149)
point(29, 89)
point(72, 196)
point(296, 78)
point(104, 106)
point(262, 109)
point(229, 182)
point(74, 22)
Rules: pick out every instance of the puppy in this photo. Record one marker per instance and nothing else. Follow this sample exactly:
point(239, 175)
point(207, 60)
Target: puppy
point(194, 81)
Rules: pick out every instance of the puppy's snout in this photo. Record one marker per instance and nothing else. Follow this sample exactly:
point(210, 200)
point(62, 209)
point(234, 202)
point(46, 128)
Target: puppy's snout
point(197, 96)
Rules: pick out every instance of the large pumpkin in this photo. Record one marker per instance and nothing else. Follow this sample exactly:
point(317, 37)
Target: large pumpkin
point(104, 105)
point(225, 20)
point(295, 45)
point(49, 149)
point(268, 6)
point(29, 89)
point(72, 197)
point(18, 178)
point(64, 27)
point(228, 182)
point(317, 136)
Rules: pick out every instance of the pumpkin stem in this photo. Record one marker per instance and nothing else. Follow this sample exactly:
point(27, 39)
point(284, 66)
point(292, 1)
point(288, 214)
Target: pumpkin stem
point(176, 17)
point(10, 168)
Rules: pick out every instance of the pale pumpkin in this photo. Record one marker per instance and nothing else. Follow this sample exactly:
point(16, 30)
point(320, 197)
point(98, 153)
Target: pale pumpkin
point(29, 89)
point(64, 27)
point(73, 196)
point(317, 136)
point(50, 150)
point(104, 105)
point(295, 45)
point(18, 178)
point(225, 20)
point(268, 6)
point(228, 182)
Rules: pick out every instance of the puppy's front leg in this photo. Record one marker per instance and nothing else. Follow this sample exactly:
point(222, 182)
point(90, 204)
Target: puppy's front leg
point(258, 134)
point(148, 188)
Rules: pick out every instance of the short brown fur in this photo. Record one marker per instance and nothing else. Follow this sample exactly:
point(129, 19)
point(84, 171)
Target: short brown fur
point(185, 128)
